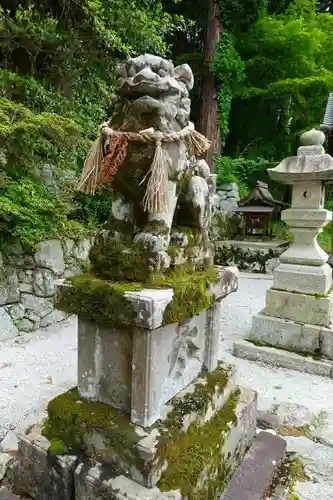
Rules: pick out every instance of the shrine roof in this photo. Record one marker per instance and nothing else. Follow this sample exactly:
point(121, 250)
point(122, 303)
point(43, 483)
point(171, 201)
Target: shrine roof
point(259, 197)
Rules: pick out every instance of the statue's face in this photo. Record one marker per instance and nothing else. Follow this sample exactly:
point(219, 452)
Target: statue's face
point(153, 76)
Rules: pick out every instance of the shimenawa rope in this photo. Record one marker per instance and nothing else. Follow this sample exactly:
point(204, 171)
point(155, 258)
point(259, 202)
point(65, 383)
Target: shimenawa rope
point(99, 170)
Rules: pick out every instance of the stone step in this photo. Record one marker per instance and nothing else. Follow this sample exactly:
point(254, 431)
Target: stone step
point(256, 472)
point(284, 359)
point(142, 454)
point(44, 475)
point(98, 483)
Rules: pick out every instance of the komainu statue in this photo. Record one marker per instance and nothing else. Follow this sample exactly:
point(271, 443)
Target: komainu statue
point(163, 193)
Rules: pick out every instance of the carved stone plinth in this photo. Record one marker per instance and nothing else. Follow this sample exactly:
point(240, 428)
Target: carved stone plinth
point(138, 368)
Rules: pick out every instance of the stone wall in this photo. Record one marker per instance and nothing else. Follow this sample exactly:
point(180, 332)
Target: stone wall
point(250, 256)
point(227, 198)
point(27, 283)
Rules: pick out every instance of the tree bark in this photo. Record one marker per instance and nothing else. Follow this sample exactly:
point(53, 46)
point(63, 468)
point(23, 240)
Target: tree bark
point(209, 120)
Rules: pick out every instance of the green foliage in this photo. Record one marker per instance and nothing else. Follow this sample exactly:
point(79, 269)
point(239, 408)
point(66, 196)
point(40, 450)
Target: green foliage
point(238, 15)
point(56, 80)
point(241, 170)
point(288, 76)
point(229, 71)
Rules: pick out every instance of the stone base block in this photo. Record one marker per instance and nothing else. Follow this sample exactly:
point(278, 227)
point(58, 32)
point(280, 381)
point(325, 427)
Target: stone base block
point(302, 308)
point(284, 359)
point(197, 458)
point(39, 473)
point(99, 483)
point(303, 279)
point(286, 334)
point(108, 435)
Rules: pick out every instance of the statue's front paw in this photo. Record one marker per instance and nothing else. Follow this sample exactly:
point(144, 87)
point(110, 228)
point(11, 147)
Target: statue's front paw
point(152, 242)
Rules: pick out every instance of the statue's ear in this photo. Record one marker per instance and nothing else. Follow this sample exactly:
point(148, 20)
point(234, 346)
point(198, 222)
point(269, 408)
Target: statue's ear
point(184, 74)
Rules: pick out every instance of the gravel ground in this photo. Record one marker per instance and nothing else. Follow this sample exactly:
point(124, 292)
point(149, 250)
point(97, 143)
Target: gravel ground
point(33, 372)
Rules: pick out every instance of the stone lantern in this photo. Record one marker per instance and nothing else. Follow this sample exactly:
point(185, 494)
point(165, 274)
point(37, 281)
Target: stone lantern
point(299, 306)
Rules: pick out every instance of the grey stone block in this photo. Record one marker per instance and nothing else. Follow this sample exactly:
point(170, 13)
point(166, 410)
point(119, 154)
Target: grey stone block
point(39, 474)
point(267, 420)
point(285, 334)
point(257, 469)
point(277, 357)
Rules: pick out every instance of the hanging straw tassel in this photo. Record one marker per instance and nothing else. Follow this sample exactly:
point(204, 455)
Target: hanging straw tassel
point(155, 199)
point(197, 143)
point(90, 173)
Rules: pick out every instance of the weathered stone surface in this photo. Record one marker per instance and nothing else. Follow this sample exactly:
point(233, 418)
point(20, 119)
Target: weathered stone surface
point(277, 357)
point(81, 249)
point(140, 371)
point(100, 481)
point(313, 491)
point(266, 420)
point(303, 279)
point(39, 305)
point(16, 312)
point(5, 460)
point(293, 415)
point(257, 469)
point(9, 286)
point(9, 443)
point(50, 256)
point(43, 285)
point(326, 342)
point(299, 307)
point(286, 334)
point(25, 325)
point(317, 459)
point(7, 329)
point(53, 317)
point(39, 474)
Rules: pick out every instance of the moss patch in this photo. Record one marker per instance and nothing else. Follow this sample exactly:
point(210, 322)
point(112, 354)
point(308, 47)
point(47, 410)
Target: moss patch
point(103, 301)
point(198, 450)
point(70, 417)
point(118, 260)
point(289, 473)
point(188, 453)
point(98, 300)
point(295, 431)
point(191, 294)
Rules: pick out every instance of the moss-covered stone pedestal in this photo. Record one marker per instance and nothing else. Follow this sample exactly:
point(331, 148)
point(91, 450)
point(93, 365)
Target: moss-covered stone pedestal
point(87, 450)
point(155, 415)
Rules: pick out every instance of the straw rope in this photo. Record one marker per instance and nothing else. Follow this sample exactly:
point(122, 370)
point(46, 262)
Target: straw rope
point(99, 170)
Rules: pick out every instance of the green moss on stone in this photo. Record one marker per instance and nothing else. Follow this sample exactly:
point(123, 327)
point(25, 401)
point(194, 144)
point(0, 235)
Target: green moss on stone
point(191, 291)
point(98, 300)
point(70, 417)
point(103, 301)
point(196, 450)
point(157, 227)
point(119, 260)
point(58, 447)
point(197, 401)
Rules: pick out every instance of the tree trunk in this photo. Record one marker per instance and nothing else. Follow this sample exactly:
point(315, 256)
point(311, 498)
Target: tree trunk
point(209, 120)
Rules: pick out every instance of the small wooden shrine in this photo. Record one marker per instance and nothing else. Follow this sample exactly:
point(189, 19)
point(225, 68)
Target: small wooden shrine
point(259, 210)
